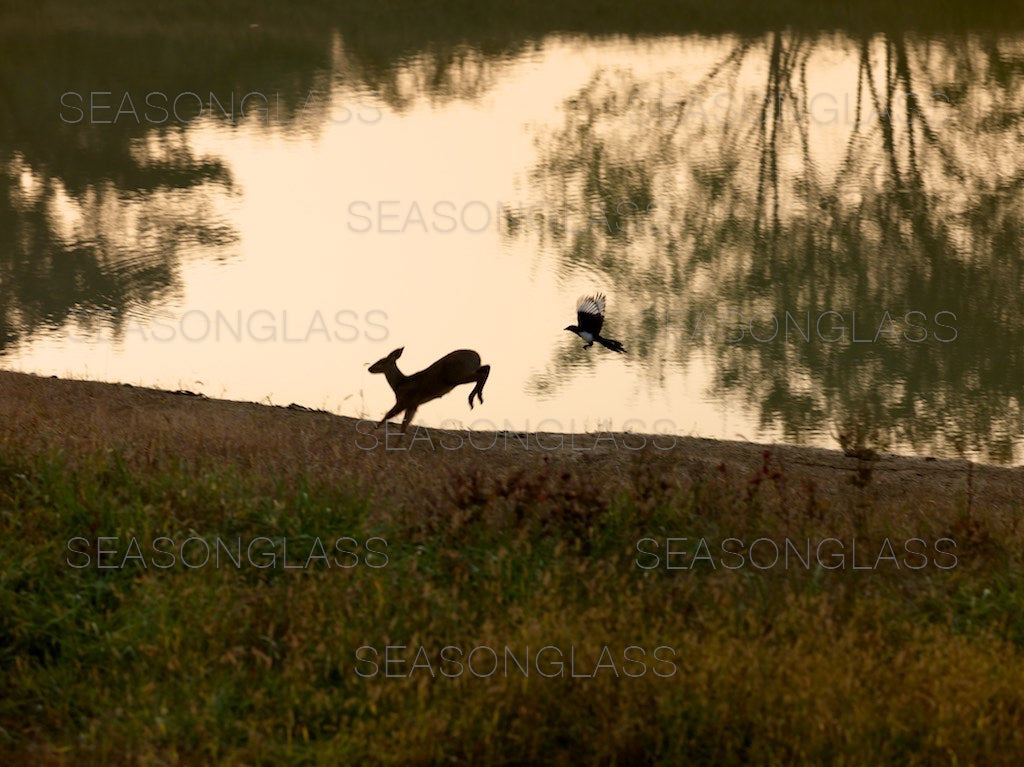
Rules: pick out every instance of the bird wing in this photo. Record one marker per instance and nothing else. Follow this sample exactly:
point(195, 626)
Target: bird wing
point(590, 313)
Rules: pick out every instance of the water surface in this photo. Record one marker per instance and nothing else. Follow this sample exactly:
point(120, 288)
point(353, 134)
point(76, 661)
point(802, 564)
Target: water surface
point(801, 233)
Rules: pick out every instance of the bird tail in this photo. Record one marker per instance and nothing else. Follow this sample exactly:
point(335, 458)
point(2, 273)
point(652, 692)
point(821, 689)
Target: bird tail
point(608, 343)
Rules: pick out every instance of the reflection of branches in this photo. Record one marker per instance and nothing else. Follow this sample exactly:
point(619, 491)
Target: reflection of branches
point(440, 73)
point(95, 214)
point(121, 252)
point(755, 226)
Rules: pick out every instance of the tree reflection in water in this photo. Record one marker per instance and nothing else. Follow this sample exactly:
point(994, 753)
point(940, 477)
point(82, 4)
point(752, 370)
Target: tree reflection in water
point(896, 188)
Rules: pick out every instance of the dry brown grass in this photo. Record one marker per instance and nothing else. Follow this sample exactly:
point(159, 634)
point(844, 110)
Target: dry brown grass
point(519, 548)
point(83, 418)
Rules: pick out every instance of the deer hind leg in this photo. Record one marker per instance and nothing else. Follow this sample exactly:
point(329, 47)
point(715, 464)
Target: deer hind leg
point(481, 378)
point(398, 408)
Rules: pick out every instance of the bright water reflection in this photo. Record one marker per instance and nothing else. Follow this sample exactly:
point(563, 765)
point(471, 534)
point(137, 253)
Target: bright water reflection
point(799, 234)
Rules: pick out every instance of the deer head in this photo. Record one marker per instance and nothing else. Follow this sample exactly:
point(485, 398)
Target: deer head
point(381, 365)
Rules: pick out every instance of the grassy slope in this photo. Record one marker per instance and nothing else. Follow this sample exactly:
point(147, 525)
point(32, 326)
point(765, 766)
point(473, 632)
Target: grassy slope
point(485, 547)
point(492, 548)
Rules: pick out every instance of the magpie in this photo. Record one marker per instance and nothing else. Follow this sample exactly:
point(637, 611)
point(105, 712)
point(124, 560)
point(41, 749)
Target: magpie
point(590, 316)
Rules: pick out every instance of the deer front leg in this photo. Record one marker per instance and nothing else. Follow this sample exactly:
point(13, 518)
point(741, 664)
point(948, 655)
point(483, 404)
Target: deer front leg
point(409, 413)
point(391, 414)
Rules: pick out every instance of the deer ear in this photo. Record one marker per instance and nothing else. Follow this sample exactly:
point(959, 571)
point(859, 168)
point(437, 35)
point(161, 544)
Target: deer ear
point(397, 353)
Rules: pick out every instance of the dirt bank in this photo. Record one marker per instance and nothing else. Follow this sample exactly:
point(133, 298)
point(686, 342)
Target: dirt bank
point(83, 417)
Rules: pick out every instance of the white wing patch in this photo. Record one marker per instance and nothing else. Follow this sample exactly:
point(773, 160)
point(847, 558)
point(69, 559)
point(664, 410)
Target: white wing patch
point(591, 304)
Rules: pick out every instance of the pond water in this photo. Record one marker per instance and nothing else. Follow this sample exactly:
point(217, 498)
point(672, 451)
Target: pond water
point(800, 234)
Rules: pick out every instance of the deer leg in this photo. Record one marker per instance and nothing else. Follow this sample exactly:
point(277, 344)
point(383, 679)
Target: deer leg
point(409, 413)
point(391, 414)
point(481, 379)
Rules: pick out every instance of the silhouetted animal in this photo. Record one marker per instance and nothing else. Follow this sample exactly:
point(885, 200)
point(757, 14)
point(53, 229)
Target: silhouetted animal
point(590, 316)
point(459, 367)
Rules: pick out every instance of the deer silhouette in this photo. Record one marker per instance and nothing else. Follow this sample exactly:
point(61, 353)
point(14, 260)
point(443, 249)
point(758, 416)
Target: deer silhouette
point(458, 367)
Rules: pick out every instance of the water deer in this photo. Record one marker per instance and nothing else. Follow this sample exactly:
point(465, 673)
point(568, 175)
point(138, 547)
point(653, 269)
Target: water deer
point(458, 367)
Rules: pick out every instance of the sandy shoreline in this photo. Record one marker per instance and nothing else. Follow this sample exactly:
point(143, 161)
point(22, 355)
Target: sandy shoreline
point(72, 416)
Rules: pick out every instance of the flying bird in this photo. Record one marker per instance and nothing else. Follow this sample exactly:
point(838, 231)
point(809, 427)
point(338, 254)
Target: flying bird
point(590, 316)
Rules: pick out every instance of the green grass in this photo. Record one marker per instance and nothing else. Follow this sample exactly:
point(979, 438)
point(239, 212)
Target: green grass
point(258, 666)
